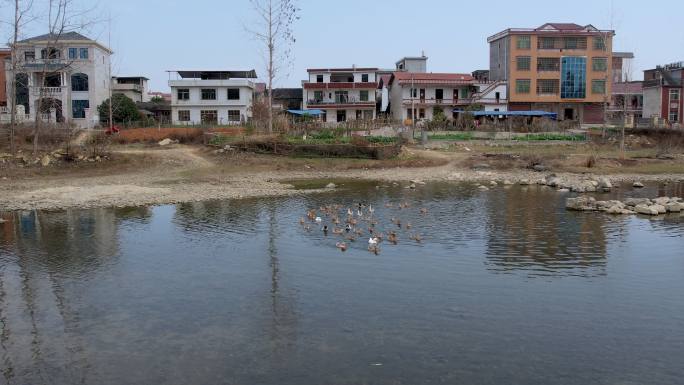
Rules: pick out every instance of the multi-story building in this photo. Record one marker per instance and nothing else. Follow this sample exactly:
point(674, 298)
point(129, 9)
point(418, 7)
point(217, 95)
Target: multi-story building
point(663, 90)
point(212, 97)
point(343, 94)
point(63, 78)
point(424, 96)
point(562, 68)
point(627, 99)
point(134, 87)
point(4, 54)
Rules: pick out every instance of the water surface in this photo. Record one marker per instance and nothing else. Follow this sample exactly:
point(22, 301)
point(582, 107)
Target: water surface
point(506, 287)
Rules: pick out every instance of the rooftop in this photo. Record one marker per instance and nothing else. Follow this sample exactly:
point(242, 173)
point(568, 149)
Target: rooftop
point(431, 78)
point(624, 55)
point(352, 69)
point(553, 28)
point(130, 77)
point(215, 75)
point(62, 38)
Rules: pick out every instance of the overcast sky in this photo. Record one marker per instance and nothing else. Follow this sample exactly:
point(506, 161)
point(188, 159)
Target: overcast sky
point(152, 36)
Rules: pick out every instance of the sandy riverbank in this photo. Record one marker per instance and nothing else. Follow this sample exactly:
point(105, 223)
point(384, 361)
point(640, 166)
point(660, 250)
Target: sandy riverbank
point(186, 174)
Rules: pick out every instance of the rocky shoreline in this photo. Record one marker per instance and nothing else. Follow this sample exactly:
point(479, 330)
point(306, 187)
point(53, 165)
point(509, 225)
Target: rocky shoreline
point(645, 206)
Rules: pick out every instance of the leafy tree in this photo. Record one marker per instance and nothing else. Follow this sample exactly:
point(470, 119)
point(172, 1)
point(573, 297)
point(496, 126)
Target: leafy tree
point(157, 99)
point(123, 109)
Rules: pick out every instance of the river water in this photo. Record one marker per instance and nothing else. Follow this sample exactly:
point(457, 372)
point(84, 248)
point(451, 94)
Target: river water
point(505, 287)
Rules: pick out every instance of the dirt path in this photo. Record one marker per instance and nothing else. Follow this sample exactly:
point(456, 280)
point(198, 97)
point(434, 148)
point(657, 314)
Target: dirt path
point(186, 173)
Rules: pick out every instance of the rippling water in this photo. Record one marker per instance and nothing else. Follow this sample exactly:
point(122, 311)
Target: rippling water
point(506, 287)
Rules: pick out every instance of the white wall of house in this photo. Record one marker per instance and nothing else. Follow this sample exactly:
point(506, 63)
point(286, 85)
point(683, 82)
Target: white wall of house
point(222, 105)
point(652, 102)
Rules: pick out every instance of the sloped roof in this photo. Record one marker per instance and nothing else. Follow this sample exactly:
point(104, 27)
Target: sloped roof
point(50, 36)
point(562, 26)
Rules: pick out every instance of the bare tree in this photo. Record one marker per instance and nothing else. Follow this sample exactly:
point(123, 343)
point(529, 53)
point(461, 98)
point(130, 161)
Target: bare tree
point(274, 29)
point(22, 9)
point(63, 16)
point(626, 78)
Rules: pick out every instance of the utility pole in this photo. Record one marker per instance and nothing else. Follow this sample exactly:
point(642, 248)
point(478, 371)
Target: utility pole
point(109, 43)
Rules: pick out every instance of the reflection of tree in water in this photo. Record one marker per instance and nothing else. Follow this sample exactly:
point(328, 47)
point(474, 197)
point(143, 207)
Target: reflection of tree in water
point(46, 251)
point(527, 233)
point(233, 216)
point(283, 326)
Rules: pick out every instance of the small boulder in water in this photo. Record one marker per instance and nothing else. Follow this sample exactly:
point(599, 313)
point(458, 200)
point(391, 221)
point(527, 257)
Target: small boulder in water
point(637, 184)
point(331, 186)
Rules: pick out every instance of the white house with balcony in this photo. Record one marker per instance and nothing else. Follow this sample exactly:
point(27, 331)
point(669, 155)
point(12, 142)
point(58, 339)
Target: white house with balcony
point(211, 97)
point(343, 94)
point(61, 78)
point(134, 87)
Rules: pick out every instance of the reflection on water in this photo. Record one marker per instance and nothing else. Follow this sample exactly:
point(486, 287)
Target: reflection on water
point(505, 283)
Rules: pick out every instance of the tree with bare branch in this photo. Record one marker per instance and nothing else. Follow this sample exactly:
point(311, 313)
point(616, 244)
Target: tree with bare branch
point(22, 17)
point(274, 29)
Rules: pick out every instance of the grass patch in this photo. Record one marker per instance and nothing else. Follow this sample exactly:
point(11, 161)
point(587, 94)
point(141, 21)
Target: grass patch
point(458, 136)
point(543, 137)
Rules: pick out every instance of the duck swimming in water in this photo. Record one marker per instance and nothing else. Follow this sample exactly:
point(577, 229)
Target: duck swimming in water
point(337, 231)
point(318, 220)
point(348, 228)
point(341, 245)
point(325, 229)
point(373, 241)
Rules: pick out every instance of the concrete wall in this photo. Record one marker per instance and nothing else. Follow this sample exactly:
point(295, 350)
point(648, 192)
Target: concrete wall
point(499, 59)
point(222, 105)
point(652, 102)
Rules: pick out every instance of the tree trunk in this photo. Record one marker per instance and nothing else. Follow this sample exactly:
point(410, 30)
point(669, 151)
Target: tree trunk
point(270, 67)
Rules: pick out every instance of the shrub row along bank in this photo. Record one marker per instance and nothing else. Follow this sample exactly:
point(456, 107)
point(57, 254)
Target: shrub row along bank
point(335, 150)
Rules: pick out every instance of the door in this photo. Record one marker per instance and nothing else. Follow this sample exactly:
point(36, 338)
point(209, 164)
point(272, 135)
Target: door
point(341, 115)
point(569, 114)
point(422, 94)
point(439, 94)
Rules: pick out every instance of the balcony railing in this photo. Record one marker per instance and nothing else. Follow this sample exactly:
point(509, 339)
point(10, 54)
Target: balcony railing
point(339, 100)
point(437, 102)
point(47, 91)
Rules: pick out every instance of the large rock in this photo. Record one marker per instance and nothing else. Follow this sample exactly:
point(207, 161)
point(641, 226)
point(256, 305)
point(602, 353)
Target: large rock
point(45, 160)
point(166, 142)
point(524, 182)
point(674, 207)
point(604, 184)
point(331, 186)
point(637, 184)
point(553, 181)
point(539, 168)
point(637, 201)
point(661, 201)
point(645, 209)
point(580, 204)
point(659, 208)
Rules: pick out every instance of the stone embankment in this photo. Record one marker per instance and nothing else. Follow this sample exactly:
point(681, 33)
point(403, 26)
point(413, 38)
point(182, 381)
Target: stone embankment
point(643, 206)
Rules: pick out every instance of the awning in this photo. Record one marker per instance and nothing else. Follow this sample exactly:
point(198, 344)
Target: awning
point(544, 114)
point(306, 112)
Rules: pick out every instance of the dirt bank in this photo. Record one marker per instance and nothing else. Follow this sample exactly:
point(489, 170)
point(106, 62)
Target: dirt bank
point(147, 176)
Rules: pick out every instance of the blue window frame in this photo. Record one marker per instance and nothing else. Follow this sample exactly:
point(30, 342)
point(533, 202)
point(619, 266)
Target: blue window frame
point(83, 53)
point(78, 108)
point(573, 77)
point(72, 53)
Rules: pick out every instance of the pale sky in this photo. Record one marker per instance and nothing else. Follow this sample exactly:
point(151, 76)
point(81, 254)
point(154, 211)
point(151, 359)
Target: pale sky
point(152, 36)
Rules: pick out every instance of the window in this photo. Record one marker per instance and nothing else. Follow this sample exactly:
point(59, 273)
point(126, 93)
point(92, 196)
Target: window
point(523, 63)
point(545, 42)
point(573, 42)
point(547, 86)
point(183, 115)
point(233, 94)
point(318, 96)
point(79, 82)
point(363, 95)
point(341, 96)
point(208, 94)
point(78, 108)
point(319, 78)
point(522, 86)
point(73, 53)
point(413, 93)
point(234, 115)
point(30, 55)
point(548, 64)
point(673, 117)
point(523, 42)
point(209, 116)
point(439, 94)
point(674, 96)
point(599, 43)
point(183, 94)
point(83, 53)
point(421, 113)
point(598, 87)
point(599, 64)
point(573, 77)
point(364, 78)
point(49, 53)
point(367, 114)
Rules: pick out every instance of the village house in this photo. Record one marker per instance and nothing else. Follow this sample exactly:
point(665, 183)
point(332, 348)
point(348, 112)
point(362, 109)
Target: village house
point(343, 94)
point(134, 87)
point(63, 78)
point(663, 89)
point(562, 68)
point(212, 97)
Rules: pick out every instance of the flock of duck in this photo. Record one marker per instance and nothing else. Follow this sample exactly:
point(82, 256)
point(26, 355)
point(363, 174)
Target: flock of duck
point(357, 223)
